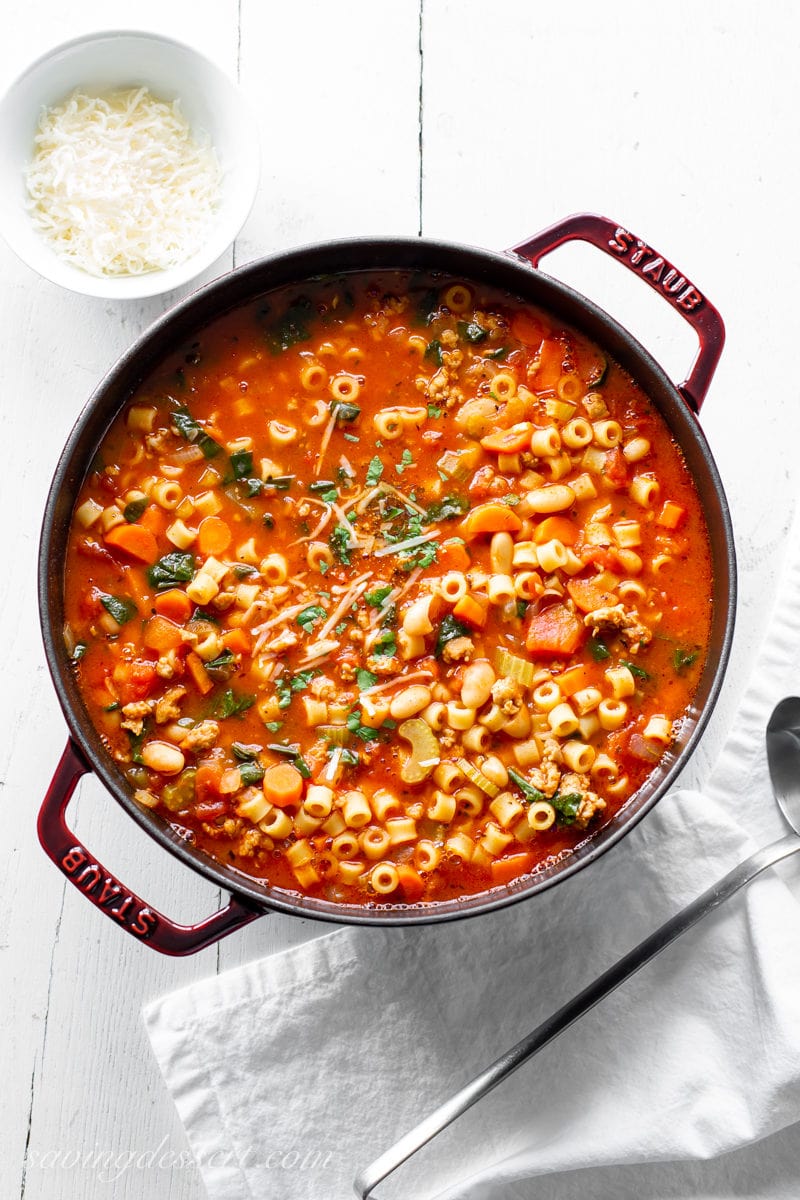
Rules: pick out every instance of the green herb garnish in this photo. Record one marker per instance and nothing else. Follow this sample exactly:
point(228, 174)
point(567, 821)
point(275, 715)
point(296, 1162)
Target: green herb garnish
point(374, 471)
point(635, 670)
point(365, 679)
point(375, 599)
point(434, 411)
point(598, 650)
point(339, 542)
point(446, 509)
point(683, 659)
point(308, 618)
point(406, 461)
point(229, 704)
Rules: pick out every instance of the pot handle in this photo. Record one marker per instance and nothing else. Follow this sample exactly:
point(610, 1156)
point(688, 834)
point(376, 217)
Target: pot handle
point(106, 892)
point(655, 270)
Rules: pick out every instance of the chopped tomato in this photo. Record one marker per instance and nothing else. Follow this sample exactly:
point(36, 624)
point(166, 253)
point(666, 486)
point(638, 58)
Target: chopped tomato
point(554, 633)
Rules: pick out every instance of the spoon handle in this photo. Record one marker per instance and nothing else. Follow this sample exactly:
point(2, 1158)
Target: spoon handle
point(371, 1175)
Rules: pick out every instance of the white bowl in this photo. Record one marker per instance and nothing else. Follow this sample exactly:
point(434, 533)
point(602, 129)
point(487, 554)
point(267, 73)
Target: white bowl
point(103, 61)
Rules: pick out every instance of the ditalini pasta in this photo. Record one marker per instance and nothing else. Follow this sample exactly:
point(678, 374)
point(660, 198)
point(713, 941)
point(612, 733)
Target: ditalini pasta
point(388, 590)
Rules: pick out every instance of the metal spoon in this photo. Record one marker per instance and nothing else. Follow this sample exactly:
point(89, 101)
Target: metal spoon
point(783, 756)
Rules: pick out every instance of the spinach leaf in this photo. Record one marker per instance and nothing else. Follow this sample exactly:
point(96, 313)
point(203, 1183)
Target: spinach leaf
point(530, 793)
point(174, 568)
point(242, 464)
point(251, 772)
point(118, 607)
point(449, 629)
point(471, 331)
point(193, 432)
point(291, 328)
point(433, 352)
point(447, 508)
point(345, 413)
point(131, 512)
point(566, 806)
point(635, 670)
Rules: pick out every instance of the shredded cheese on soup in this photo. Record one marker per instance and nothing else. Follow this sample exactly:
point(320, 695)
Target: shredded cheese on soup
point(118, 183)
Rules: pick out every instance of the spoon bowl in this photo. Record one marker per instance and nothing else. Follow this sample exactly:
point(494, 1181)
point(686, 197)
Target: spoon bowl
point(783, 757)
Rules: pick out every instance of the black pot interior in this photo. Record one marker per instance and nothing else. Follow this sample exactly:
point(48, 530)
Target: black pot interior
point(500, 270)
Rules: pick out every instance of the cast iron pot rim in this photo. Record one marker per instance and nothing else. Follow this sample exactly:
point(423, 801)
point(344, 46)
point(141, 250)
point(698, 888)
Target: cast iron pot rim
point(84, 732)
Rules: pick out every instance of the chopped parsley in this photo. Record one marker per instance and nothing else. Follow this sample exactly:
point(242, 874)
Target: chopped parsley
point(339, 542)
point(406, 461)
point(511, 500)
point(374, 471)
point(365, 679)
point(308, 618)
point(287, 685)
point(384, 645)
point(566, 806)
point(274, 726)
point(229, 704)
point(118, 607)
point(355, 726)
point(375, 599)
point(434, 411)
point(174, 568)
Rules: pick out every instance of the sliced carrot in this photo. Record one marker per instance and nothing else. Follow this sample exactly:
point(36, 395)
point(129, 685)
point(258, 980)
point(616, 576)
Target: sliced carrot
point(556, 527)
point(155, 519)
point(551, 364)
point(526, 329)
point(161, 634)
point(213, 536)
point(174, 604)
point(134, 540)
point(491, 517)
point(509, 441)
point(237, 640)
point(208, 781)
point(511, 867)
point(411, 882)
point(283, 785)
point(574, 679)
point(555, 632)
point(200, 676)
point(592, 593)
point(672, 515)
point(453, 555)
point(469, 610)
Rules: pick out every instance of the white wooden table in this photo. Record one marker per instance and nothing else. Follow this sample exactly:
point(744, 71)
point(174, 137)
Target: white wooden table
point(464, 120)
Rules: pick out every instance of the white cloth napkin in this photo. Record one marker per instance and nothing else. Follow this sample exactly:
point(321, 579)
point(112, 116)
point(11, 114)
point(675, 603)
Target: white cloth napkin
point(293, 1071)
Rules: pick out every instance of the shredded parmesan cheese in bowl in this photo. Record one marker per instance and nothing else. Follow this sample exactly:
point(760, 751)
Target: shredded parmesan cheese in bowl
point(119, 184)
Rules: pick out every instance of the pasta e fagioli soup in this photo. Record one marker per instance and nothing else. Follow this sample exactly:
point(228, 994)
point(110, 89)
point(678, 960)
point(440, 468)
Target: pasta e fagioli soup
point(388, 589)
